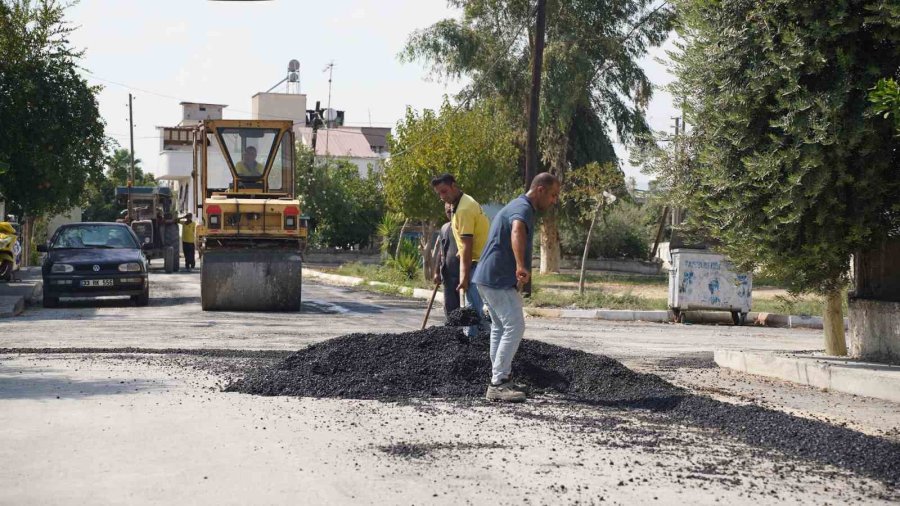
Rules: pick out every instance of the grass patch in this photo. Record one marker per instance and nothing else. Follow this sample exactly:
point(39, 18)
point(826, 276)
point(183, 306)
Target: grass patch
point(548, 293)
point(592, 299)
point(382, 273)
point(807, 305)
point(605, 277)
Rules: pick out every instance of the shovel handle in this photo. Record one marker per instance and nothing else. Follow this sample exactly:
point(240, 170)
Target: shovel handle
point(430, 303)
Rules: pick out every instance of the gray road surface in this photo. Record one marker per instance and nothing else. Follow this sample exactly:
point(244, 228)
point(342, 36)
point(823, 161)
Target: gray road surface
point(156, 429)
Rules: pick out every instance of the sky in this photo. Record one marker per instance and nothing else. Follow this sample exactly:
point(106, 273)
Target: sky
point(168, 51)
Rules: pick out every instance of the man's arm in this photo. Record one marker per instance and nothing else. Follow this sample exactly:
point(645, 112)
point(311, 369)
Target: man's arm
point(519, 242)
point(465, 262)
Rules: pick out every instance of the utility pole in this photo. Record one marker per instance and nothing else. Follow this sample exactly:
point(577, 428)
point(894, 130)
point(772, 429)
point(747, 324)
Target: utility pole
point(534, 108)
point(330, 69)
point(131, 172)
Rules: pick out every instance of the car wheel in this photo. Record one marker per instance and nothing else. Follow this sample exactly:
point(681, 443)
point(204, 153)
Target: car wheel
point(142, 299)
point(50, 301)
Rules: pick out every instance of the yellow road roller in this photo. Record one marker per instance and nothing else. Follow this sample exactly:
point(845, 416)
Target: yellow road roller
point(251, 235)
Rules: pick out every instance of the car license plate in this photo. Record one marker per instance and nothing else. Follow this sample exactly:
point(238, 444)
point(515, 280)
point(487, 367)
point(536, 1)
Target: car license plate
point(96, 282)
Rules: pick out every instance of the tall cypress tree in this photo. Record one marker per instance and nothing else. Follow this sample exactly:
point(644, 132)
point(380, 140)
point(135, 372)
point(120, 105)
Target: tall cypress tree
point(793, 171)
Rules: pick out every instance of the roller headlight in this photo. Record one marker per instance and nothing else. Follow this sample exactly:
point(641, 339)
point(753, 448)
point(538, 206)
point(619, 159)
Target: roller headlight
point(61, 268)
point(130, 267)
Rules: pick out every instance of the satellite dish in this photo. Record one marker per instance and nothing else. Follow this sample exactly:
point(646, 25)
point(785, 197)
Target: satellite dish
point(293, 66)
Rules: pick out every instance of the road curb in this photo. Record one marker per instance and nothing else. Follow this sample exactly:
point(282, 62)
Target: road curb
point(11, 305)
point(30, 290)
point(621, 315)
point(830, 373)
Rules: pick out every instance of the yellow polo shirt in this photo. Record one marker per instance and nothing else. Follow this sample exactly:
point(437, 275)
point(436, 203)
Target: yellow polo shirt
point(187, 232)
point(243, 170)
point(469, 220)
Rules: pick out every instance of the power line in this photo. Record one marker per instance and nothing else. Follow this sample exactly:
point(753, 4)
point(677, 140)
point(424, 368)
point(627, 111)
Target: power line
point(171, 97)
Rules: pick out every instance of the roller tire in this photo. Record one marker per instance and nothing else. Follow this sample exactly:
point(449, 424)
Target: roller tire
point(169, 259)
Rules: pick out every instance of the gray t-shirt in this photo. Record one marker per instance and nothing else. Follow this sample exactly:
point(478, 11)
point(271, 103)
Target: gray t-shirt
point(450, 268)
point(497, 267)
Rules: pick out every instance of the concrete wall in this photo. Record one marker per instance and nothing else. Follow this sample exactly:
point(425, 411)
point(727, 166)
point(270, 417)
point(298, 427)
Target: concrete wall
point(875, 330)
point(191, 112)
point(290, 106)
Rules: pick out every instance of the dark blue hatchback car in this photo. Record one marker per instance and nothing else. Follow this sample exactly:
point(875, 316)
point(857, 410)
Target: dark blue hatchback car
point(93, 260)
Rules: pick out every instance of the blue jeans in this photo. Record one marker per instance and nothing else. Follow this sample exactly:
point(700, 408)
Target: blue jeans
point(507, 328)
point(474, 301)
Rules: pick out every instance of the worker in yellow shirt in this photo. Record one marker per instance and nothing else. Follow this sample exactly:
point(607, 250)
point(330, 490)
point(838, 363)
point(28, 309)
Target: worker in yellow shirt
point(470, 230)
point(248, 166)
point(188, 229)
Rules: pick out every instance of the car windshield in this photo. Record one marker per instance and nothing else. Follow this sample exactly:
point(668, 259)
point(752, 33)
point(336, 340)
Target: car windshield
point(93, 236)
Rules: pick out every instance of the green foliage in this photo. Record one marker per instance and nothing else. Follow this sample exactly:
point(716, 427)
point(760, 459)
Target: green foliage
point(99, 203)
point(388, 230)
point(52, 131)
point(475, 145)
point(622, 233)
point(619, 230)
point(792, 172)
point(118, 169)
point(344, 208)
point(585, 187)
point(885, 99)
point(591, 75)
point(408, 261)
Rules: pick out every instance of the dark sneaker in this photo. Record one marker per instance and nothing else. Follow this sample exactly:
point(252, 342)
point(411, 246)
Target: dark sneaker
point(504, 392)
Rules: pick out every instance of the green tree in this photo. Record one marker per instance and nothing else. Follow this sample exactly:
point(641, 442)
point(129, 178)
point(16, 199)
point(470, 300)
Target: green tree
point(52, 131)
point(591, 78)
point(792, 172)
point(99, 203)
point(344, 208)
point(475, 145)
point(118, 169)
point(592, 188)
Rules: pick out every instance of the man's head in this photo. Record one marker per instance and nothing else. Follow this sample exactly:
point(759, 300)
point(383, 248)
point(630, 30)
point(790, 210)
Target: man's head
point(249, 155)
point(189, 216)
point(446, 188)
point(544, 191)
point(448, 210)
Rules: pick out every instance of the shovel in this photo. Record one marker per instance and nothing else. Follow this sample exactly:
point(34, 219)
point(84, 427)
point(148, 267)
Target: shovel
point(430, 303)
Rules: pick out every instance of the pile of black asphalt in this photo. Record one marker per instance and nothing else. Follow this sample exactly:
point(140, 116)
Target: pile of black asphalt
point(438, 363)
point(462, 317)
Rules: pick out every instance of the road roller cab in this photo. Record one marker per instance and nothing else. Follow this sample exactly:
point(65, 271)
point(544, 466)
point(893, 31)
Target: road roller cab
point(252, 233)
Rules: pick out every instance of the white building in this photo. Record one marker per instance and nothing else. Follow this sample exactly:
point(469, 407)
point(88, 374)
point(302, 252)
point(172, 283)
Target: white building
point(351, 144)
point(342, 143)
point(176, 149)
